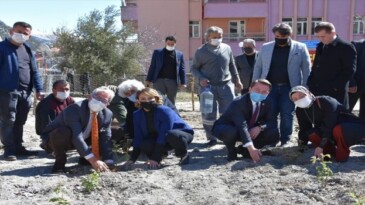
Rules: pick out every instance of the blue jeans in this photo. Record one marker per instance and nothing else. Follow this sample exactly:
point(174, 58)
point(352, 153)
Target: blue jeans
point(285, 107)
point(223, 96)
point(14, 108)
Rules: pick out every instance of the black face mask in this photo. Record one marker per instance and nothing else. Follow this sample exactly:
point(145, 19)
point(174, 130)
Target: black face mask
point(148, 105)
point(247, 50)
point(281, 41)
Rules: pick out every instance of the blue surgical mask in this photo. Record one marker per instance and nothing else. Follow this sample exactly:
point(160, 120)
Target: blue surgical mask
point(257, 97)
point(133, 97)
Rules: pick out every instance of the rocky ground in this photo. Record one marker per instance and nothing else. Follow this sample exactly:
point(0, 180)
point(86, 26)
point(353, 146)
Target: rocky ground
point(286, 178)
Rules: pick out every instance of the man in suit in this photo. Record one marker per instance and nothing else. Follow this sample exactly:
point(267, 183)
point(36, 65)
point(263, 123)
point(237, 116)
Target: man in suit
point(246, 62)
point(167, 70)
point(333, 66)
point(285, 63)
point(248, 119)
point(73, 127)
point(357, 84)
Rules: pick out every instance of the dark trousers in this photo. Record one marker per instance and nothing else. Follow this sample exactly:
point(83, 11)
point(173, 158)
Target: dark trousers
point(353, 97)
point(14, 109)
point(60, 141)
point(175, 139)
point(340, 95)
point(229, 135)
point(167, 87)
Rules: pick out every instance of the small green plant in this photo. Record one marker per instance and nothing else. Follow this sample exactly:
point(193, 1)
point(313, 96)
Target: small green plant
point(59, 200)
point(323, 171)
point(359, 200)
point(91, 182)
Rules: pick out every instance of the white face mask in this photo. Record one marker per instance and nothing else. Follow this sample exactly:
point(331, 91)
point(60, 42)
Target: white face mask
point(304, 102)
point(19, 38)
point(96, 105)
point(215, 41)
point(62, 95)
point(170, 48)
point(133, 97)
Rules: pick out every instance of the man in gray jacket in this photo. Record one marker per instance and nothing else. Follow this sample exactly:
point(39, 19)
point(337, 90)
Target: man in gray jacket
point(214, 67)
point(285, 63)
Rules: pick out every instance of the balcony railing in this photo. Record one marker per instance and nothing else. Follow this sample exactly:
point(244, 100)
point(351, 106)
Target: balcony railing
point(258, 36)
point(233, 1)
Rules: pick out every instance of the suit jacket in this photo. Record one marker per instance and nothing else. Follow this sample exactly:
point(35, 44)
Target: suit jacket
point(157, 63)
point(245, 70)
point(298, 63)
point(359, 77)
point(76, 117)
point(239, 114)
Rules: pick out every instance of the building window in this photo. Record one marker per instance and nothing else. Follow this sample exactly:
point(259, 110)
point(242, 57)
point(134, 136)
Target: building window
point(194, 29)
point(358, 25)
point(315, 22)
point(301, 26)
point(236, 30)
point(288, 21)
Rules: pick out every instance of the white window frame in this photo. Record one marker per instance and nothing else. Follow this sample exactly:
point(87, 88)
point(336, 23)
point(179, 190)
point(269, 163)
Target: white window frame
point(302, 26)
point(241, 29)
point(358, 25)
point(193, 26)
point(315, 22)
point(288, 21)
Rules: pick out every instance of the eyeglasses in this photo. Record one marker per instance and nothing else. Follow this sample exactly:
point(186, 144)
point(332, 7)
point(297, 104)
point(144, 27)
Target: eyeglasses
point(103, 100)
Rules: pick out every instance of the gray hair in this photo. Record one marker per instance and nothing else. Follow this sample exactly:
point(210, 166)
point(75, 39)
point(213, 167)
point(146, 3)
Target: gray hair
point(104, 89)
point(213, 29)
point(129, 84)
point(250, 41)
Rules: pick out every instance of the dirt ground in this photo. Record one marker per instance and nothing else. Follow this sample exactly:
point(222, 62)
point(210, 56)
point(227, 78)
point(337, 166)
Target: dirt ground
point(286, 178)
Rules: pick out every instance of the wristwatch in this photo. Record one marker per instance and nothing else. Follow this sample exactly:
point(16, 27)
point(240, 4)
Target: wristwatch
point(262, 127)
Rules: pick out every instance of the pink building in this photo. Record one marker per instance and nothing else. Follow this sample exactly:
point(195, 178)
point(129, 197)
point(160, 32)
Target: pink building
point(240, 19)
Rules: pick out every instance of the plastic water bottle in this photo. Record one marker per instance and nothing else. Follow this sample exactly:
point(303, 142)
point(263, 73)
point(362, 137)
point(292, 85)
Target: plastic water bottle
point(206, 101)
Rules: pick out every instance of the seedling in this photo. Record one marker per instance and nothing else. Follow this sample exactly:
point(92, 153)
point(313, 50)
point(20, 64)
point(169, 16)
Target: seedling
point(323, 171)
point(59, 200)
point(359, 200)
point(91, 182)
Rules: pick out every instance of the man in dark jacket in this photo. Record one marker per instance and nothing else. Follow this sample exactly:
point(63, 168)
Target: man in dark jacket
point(246, 62)
point(357, 84)
point(248, 119)
point(18, 76)
point(333, 66)
point(51, 106)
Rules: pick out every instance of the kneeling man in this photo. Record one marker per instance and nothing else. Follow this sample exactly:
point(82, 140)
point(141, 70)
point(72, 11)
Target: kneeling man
point(248, 119)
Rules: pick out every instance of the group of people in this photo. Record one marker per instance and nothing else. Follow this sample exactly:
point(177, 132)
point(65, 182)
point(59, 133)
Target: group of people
point(273, 84)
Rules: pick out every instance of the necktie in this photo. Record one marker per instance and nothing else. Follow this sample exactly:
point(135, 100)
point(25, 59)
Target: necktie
point(254, 115)
point(95, 136)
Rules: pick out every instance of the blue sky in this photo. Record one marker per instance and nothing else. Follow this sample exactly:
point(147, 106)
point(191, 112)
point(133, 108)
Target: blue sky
point(47, 15)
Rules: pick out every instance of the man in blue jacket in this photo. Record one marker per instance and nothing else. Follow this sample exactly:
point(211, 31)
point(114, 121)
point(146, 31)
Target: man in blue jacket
point(167, 70)
point(18, 75)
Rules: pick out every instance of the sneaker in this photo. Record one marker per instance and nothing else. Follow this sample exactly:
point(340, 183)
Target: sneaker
point(24, 152)
point(211, 143)
point(185, 159)
point(10, 158)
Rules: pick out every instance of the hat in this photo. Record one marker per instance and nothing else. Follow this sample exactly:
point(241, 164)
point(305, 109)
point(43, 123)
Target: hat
point(299, 88)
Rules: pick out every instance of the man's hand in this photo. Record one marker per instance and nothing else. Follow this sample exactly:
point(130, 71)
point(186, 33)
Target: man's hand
point(238, 85)
point(254, 132)
point(98, 165)
point(39, 96)
point(203, 82)
point(352, 89)
point(148, 83)
point(254, 153)
point(318, 152)
point(152, 164)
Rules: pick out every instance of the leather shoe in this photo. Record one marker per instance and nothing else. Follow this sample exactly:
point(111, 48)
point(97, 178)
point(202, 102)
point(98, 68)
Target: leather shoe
point(211, 143)
point(243, 151)
point(10, 158)
point(24, 152)
point(59, 168)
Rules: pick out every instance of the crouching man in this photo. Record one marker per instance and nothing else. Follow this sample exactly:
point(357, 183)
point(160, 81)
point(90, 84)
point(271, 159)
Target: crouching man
point(79, 125)
point(248, 119)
